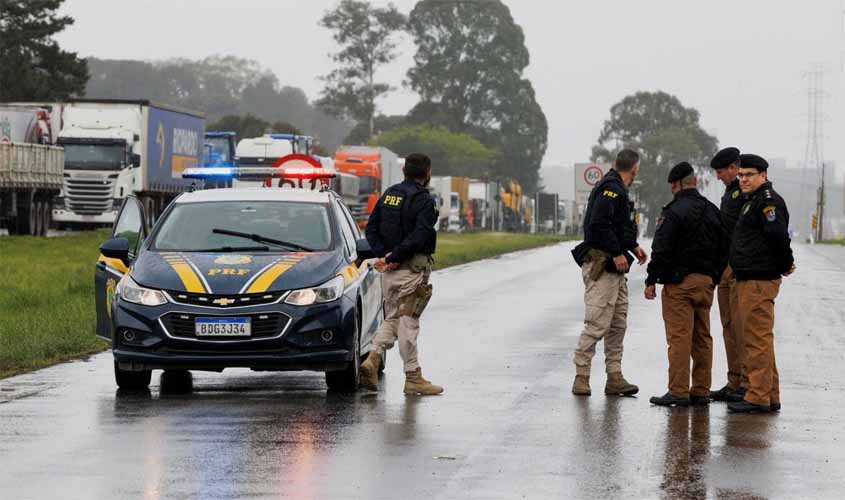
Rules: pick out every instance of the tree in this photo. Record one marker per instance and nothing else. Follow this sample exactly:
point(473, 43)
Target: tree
point(468, 72)
point(664, 132)
point(366, 36)
point(451, 153)
point(32, 65)
point(244, 126)
point(360, 134)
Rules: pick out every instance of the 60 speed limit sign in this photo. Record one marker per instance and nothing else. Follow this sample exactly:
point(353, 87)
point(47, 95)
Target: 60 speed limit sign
point(592, 175)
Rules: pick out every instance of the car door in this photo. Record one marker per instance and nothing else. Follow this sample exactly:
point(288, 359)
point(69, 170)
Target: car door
point(130, 224)
point(370, 281)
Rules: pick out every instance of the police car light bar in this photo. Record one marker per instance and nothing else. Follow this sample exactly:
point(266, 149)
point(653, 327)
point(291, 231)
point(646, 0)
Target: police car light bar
point(258, 173)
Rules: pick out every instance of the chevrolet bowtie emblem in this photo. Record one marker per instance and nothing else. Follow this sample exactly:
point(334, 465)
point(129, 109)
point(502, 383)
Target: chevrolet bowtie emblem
point(223, 302)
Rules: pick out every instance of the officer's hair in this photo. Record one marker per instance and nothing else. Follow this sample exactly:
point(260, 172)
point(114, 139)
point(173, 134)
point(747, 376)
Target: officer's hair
point(416, 166)
point(625, 160)
point(688, 181)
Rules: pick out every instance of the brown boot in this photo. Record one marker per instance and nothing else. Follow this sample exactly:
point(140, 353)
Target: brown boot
point(415, 384)
point(618, 386)
point(581, 387)
point(369, 371)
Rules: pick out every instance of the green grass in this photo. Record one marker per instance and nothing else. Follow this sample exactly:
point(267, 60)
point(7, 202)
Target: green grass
point(454, 249)
point(833, 242)
point(47, 309)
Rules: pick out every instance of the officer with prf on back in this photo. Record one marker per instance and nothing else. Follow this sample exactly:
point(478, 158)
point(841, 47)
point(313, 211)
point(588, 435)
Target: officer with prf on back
point(401, 230)
point(761, 254)
point(610, 236)
point(688, 257)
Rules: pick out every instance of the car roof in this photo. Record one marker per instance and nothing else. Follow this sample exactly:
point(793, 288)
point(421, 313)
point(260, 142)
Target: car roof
point(255, 194)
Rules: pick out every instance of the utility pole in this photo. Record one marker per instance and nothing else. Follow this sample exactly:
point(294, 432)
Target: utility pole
point(820, 209)
point(814, 148)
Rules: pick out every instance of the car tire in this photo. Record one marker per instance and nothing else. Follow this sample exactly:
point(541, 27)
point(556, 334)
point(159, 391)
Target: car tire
point(347, 380)
point(132, 380)
point(176, 382)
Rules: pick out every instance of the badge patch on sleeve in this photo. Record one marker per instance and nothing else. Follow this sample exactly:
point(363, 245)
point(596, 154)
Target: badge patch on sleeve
point(735, 194)
point(769, 212)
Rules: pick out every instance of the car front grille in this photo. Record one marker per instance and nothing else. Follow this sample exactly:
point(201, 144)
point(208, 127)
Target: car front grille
point(225, 301)
point(88, 196)
point(263, 326)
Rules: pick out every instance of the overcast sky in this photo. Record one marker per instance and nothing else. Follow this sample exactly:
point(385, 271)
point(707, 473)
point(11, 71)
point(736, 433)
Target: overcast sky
point(740, 63)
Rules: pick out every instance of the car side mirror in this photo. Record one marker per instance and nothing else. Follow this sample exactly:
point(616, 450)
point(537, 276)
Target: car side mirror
point(364, 251)
point(136, 160)
point(116, 248)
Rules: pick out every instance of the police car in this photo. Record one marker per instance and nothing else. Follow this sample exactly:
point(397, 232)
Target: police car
point(262, 278)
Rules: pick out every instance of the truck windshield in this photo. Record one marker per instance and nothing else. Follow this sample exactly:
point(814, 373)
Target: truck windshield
point(189, 227)
point(367, 185)
point(94, 156)
point(219, 148)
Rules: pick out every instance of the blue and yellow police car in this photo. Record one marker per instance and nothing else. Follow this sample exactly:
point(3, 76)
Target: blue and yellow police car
point(261, 278)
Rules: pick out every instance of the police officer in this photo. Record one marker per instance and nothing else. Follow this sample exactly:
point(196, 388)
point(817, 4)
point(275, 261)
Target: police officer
point(761, 254)
point(401, 229)
point(688, 257)
point(610, 234)
point(726, 165)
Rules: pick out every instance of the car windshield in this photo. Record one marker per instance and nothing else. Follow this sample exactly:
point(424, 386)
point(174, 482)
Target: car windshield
point(190, 226)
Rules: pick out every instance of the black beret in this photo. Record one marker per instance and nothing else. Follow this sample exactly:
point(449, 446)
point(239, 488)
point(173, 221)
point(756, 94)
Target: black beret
point(680, 171)
point(725, 158)
point(753, 161)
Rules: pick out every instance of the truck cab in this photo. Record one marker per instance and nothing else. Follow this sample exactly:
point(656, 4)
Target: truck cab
point(266, 150)
point(219, 151)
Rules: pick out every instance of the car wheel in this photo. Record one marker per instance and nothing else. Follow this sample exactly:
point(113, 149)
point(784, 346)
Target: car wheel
point(132, 380)
point(176, 382)
point(347, 380)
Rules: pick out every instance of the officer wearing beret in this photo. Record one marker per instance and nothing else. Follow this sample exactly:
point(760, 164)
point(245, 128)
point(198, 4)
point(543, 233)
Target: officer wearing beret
point(610, 237)
point(726, 165)
point(401, 229)
point(760, 255)
point(689, 255)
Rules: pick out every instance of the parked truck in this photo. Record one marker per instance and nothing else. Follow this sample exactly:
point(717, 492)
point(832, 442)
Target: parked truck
point(114, 148)
point(265, 150)
point(30, 169)
point(219, 151)
point(378, 168)
point(452, 195)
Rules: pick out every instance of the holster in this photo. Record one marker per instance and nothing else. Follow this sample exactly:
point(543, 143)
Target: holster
point(597, 260)
point(422, 296)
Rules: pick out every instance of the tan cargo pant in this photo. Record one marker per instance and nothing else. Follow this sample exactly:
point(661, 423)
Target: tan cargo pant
point(605, 317)
point(734, 346)
point(399, 322)
point(686, 315)
point(756, 313)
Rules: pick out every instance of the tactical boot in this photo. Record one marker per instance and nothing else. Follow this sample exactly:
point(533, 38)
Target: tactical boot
point(581, 386)
point(699, 400)
point(722, 394)
point(746, 407)
point(774, 406)
point(415, 384)
point(618, 386)
point(369, 371)
point(669, 399)
point(736, 397)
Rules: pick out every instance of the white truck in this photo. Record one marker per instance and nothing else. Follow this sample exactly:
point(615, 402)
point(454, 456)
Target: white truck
point(30, 169)
point(114, 148)
point(266, 150)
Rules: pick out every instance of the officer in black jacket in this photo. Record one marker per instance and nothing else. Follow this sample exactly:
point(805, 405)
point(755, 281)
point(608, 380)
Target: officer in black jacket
point(761, 254)
point(610, 233)
point(688, 257)
point(401, 229)
point(726, 165)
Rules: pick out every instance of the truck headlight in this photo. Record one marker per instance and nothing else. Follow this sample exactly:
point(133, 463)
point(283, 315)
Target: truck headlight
point(135, 293)
point(327, 292)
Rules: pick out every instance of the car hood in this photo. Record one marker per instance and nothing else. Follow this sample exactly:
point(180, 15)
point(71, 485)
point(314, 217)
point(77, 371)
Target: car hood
point(230, 273)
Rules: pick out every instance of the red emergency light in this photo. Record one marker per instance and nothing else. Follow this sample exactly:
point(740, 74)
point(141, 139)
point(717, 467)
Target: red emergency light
point(299, 167)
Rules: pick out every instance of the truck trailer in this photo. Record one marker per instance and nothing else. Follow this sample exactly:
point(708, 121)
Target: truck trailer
point(30, 169)
point(114, 148)
point(377, 168)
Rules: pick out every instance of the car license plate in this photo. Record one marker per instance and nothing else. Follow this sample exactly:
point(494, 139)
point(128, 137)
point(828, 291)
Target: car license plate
point(223, 327)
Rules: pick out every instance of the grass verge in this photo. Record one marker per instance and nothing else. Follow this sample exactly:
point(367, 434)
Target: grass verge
point(47, 309)
point(833, 242)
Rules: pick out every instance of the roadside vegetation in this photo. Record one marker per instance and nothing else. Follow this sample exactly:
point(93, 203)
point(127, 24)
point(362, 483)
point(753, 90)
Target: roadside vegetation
point(47, 310)
point(47, 300)
point(840, 241)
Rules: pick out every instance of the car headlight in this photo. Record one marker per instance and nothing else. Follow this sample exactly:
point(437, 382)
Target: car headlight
point(135, 293)
point(327, 292)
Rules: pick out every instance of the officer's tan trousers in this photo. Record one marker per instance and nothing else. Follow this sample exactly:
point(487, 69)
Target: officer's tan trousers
point(756, 313)
point(734, 345)
point(605, 317)
point(686, 315)
point(405, 328)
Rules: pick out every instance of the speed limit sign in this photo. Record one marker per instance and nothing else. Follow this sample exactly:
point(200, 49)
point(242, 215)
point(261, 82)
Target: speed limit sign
point(592, 175)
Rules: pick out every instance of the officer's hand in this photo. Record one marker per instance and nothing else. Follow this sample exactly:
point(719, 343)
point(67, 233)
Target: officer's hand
point(621, 263)
point(651, 292)
point(380, 265)
point(791, 270)
point(641, 256)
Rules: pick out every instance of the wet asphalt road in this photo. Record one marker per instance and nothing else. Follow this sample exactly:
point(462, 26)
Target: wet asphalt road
point(499, 336)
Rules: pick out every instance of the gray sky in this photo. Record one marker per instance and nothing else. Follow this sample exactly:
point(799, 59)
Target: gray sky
point(740, 63)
